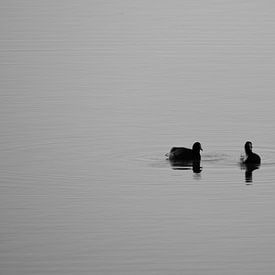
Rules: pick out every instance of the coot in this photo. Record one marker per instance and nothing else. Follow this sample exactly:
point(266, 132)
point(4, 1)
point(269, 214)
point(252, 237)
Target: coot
point(183, 154)
point(251, 158)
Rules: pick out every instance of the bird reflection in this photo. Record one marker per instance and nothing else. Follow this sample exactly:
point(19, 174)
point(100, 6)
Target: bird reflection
point(187, 165)
point(249, 168)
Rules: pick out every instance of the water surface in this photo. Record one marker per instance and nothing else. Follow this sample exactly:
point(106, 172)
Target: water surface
point(93, 95)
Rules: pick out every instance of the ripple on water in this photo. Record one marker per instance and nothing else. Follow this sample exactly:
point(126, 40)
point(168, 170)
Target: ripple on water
point(267, 155)
point(215, 159)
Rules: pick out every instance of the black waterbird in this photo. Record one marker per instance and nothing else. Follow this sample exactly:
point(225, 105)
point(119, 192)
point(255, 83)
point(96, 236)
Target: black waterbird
point(182, 154)
point(251, 158)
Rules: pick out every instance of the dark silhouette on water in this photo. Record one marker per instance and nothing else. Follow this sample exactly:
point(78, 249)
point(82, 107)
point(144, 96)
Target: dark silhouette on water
point(250, 163)
point(251, 158)
point(182, 158)
point(185, 154)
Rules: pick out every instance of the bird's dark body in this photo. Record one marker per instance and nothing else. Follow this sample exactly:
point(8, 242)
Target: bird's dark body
point(182, 154)
point(251, 158)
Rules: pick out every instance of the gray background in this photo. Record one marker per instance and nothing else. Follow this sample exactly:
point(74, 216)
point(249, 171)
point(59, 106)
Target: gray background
point(93, 94)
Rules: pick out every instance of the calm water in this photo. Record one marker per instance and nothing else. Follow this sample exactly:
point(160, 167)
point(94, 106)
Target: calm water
point(93, 94)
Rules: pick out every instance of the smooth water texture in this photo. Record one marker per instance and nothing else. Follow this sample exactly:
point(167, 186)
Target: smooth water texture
point(93, 95)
